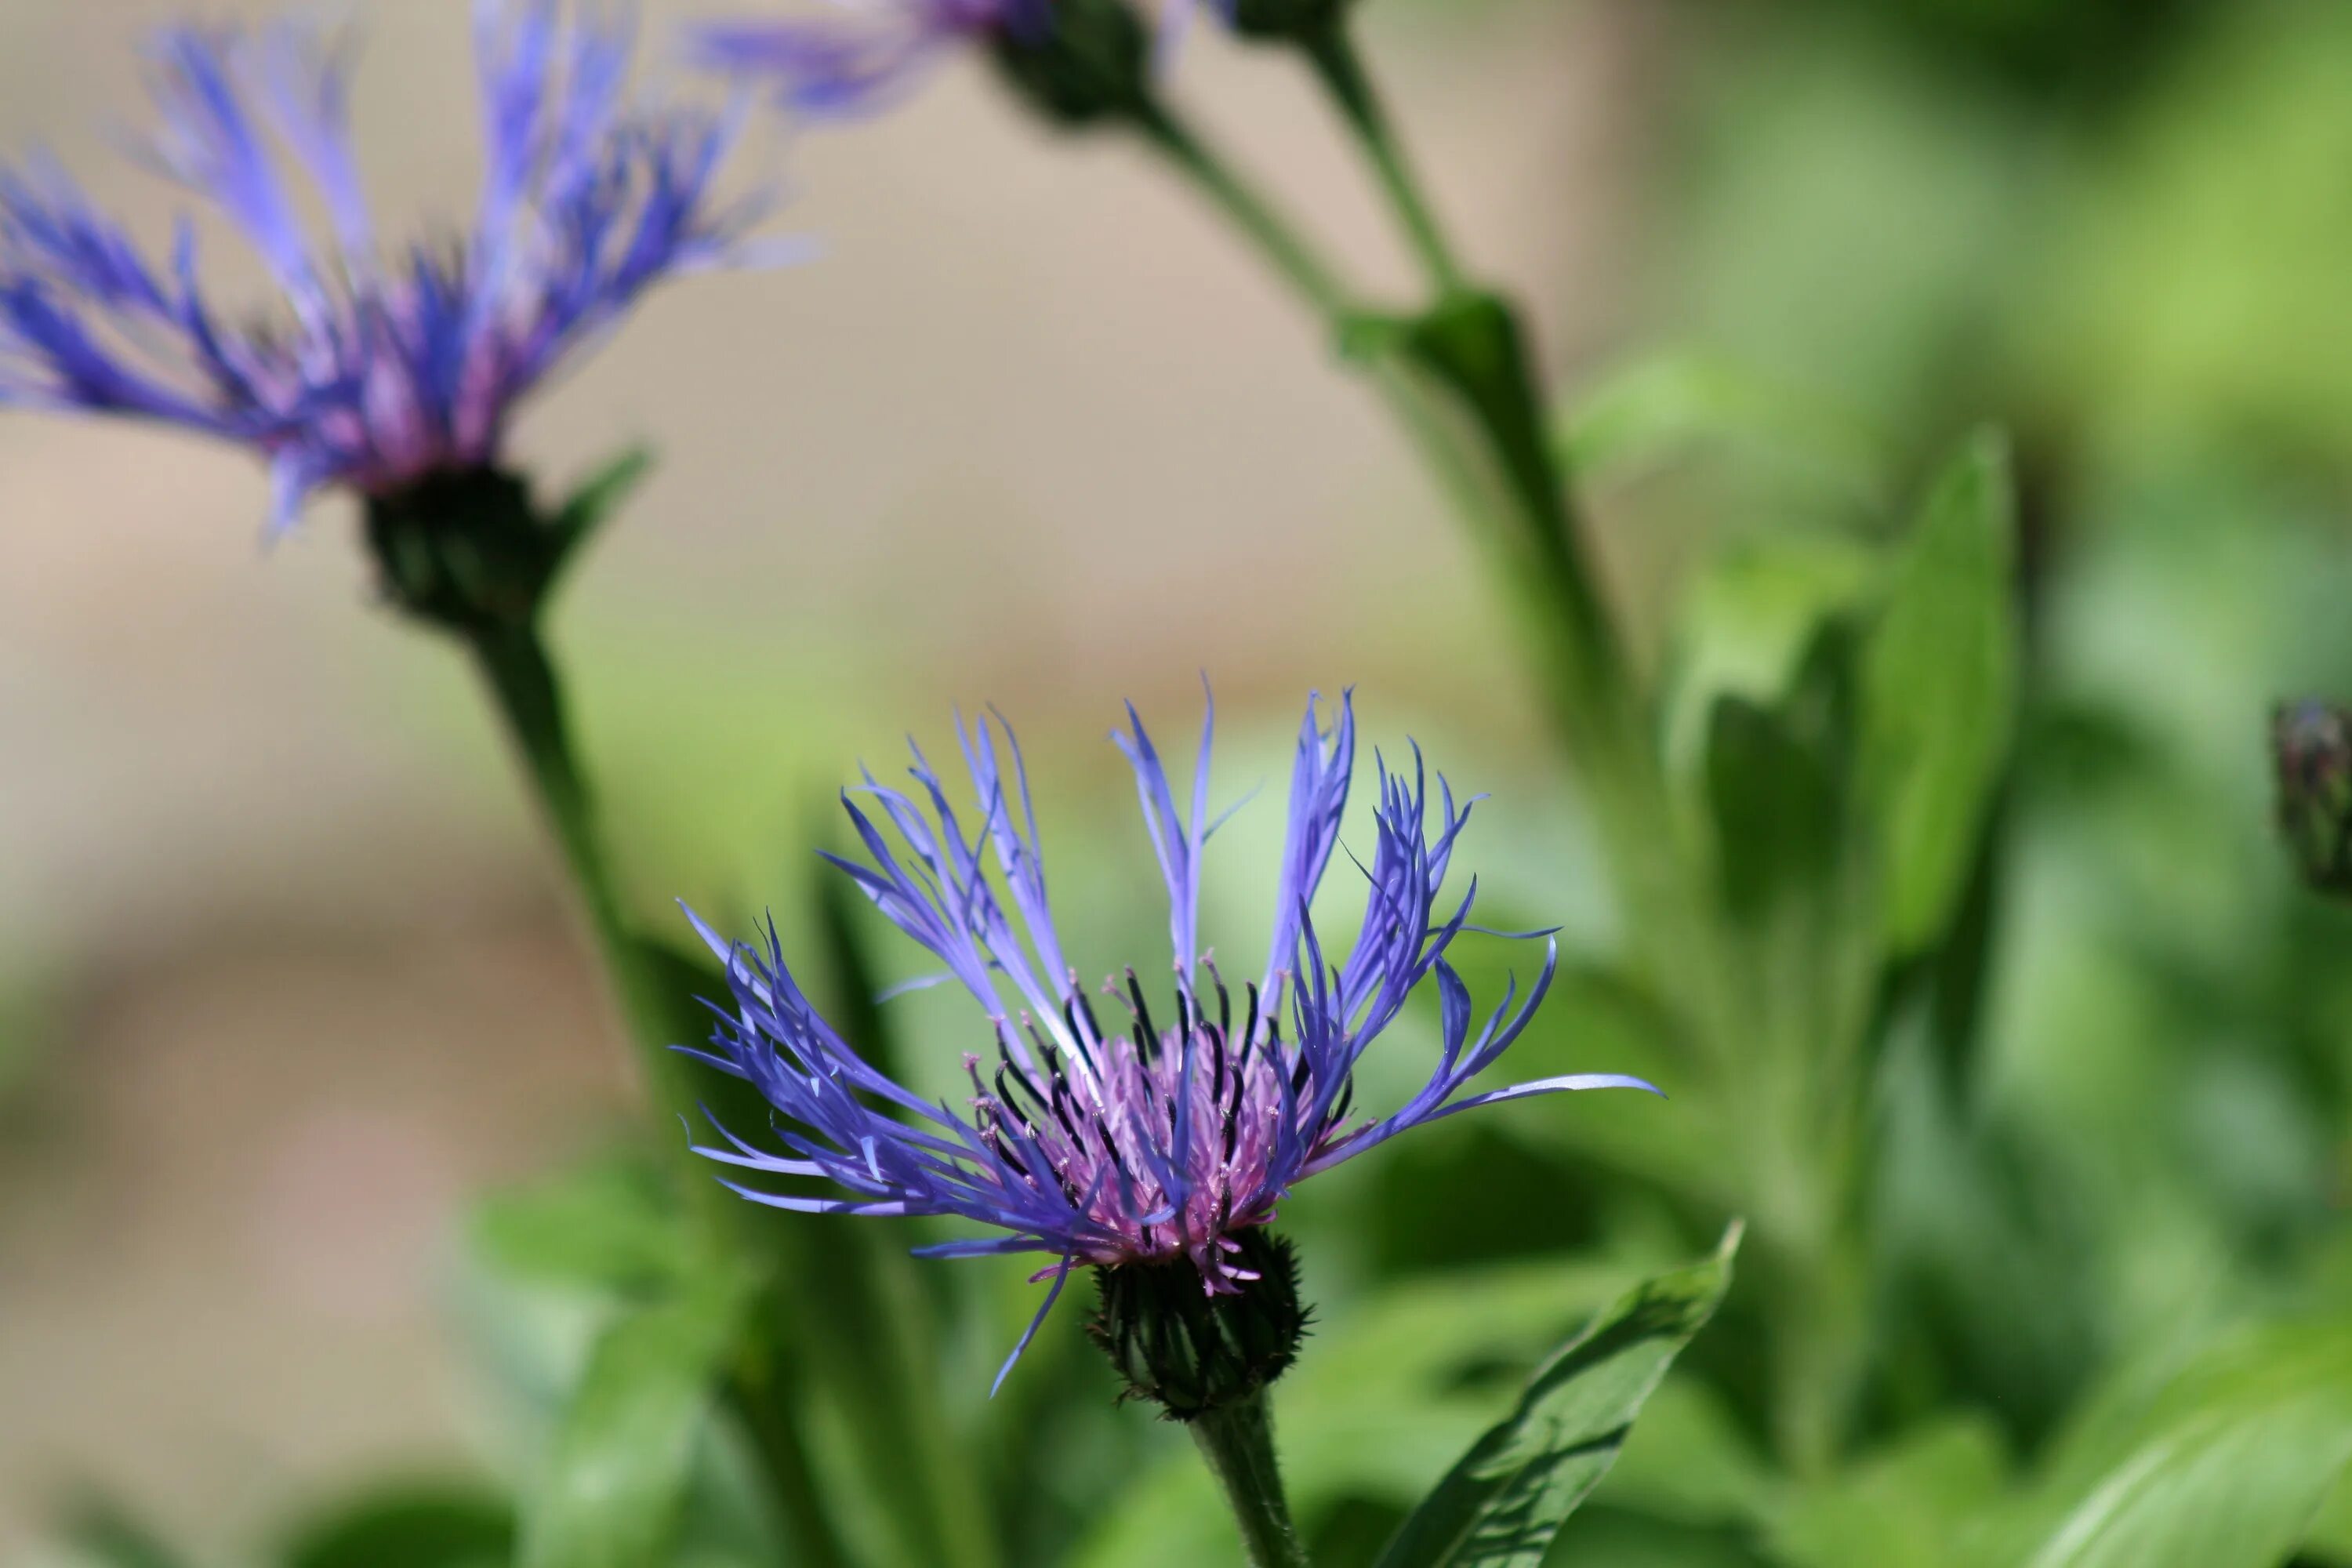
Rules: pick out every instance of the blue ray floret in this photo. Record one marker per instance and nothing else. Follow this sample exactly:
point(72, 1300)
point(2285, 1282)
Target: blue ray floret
point(375, 368)
point(1161, 1139)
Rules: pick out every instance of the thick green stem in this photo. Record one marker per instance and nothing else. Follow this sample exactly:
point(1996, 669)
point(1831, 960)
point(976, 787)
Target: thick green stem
point(1238, 1440)
point(1334, 55)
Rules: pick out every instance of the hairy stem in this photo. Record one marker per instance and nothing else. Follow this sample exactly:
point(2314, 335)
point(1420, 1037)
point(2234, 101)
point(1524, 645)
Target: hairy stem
point(1237, 1441)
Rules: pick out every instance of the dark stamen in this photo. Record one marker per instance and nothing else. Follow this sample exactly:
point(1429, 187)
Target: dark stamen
point(1002, 1149)
point(1094, 1027)
point(1062, 1115)
point(1147, 1042)
point(1022, 1079)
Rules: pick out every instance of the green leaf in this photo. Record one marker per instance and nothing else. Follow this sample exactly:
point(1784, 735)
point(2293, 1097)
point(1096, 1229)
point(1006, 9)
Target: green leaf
point(623, 1454)
point(1502, 1504)
point(2225, 1467)
point(1665, 405)
point(1776, 788)
point(1801, 955)
point(1939, 686)
point(587, 508)
point(409, 1524)
point(103, 1529)
point(1903, 1508)
point(1747, 621)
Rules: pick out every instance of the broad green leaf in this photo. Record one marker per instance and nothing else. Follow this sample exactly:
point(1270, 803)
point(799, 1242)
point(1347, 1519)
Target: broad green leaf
point(1800, 959)
point(1665, 405)
point(2225, 1467)
point(1690, 1460)
point(412, 1524)
point(1905, 1507)
point(623, 1450)
point(1747, 622)
point(1776, 788)
point(1939, 682)
point(1501, 1505)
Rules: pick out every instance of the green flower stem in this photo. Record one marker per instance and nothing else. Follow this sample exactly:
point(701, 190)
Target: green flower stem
point(522, 681)
point(528, 697)
point(1333, 54)
point(1282, 246)
point(1237, 1441)
point(1483, 431)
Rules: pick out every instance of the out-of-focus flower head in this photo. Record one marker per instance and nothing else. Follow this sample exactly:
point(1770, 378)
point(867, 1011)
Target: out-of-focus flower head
point(860, 56)
point(1077, 62)
point(377, 366)
point(1168, 1133)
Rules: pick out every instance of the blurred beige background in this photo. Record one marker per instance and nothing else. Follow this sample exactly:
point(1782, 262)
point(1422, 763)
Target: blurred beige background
point(279, 967)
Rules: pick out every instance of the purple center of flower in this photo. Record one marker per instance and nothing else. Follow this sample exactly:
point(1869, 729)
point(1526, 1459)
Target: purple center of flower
point(1166, 1138)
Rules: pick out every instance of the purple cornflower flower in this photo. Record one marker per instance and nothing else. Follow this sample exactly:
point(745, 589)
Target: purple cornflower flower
point(1161, 1137)
point(380, 370)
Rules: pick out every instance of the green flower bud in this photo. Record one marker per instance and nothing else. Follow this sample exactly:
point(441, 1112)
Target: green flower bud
point(463, 551)
point(1191, 1352)
point(1091, 65)
point(2311, 746)
point(1289, 21)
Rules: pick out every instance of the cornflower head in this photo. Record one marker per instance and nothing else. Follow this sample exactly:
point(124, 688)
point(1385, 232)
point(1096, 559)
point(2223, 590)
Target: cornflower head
point(1077, 62)
point(1155, 1135)
point(376, 368)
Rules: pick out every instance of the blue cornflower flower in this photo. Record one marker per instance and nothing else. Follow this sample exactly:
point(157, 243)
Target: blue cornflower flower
point(379, 369)
point(1162, 1139)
